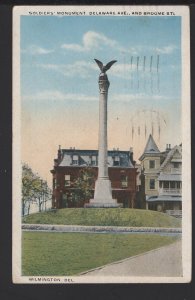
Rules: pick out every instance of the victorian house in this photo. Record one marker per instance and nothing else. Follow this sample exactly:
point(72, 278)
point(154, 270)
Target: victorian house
point(170, 182)
point(69, 165)
point(162, 177)
point(150, 164)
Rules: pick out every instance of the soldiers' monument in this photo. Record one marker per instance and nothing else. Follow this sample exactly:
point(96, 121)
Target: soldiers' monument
point(103, 191)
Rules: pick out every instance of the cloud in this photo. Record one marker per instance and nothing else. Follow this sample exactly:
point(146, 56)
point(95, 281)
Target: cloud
point(58, 96)
point(36, 50)
point(125, 71)
point(77, 69)
point(95, 41)
point(84, 69)
point(143, 50)
point(136, 96)
point(165, 50)
point(91, 40)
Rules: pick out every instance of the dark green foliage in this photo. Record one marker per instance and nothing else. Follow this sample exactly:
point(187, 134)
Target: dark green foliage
point(84, 184)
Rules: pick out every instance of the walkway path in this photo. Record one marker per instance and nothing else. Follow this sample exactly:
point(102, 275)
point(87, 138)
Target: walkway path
point(165, 261)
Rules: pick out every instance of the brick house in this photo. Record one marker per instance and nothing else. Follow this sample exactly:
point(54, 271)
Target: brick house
point(70, 162)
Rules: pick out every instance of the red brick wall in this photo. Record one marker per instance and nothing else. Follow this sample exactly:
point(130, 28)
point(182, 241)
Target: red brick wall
point(125, 195)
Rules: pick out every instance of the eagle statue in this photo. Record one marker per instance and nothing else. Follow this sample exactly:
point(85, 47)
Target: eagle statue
point(103, 68)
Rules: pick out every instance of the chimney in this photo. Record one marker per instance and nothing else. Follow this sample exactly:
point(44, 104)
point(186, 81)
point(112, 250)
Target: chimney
point(131, 157)
point(59, 153)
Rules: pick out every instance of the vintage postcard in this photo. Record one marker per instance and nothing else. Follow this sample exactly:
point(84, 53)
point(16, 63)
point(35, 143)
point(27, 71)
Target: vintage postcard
point(101, 144)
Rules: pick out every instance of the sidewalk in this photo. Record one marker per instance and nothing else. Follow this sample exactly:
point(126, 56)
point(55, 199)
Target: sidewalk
point(165, 261)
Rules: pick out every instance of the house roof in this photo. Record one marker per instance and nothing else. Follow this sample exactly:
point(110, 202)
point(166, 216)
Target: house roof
point(150, 148)
point(84, 157)
point(169, 177)
point(170, 156)
point(164, 198)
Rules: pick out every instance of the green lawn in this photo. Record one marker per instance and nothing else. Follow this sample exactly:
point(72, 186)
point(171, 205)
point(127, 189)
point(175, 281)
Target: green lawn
point(104, 217)
point(71, 253)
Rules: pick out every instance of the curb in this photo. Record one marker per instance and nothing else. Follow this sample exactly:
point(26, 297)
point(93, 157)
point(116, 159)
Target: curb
point(98, 229)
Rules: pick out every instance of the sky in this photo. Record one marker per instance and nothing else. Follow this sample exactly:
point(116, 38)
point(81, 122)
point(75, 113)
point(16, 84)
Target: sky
point(59, 83)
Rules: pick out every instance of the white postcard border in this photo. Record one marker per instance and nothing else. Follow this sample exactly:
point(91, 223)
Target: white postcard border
point(182, 11)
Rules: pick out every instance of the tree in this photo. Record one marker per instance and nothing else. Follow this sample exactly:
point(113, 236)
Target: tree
point(84, 185)
point(34, 189)
point(28, 182)
point(43, 194)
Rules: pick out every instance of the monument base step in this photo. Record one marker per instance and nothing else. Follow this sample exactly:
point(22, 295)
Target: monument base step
point(103, 205)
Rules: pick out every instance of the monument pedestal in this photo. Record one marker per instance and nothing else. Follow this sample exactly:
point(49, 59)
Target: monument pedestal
point(103, 195)
point(103, 190)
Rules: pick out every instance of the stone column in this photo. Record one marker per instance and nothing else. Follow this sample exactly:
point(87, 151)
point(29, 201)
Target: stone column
point(102, 153)
point(103, 191)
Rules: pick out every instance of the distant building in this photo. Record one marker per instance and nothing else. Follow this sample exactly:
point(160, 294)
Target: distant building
point(162, 177)
point(70, 162)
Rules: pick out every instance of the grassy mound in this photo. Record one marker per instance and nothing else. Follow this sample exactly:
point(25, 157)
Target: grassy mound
point(104, 217)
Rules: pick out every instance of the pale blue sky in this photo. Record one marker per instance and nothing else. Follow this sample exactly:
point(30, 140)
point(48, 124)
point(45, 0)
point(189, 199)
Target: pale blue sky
point(59, 78)
point(46, 63)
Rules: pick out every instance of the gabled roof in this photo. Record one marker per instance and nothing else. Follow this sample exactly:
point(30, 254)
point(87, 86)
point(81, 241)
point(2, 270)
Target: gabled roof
point(170, 156)
point(151, 147)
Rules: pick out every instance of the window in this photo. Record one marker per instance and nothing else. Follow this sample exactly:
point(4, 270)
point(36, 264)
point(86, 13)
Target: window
point(178, 185)
point(176, 165)
point(75, 159)
point(116, 160)
point(166, 184)
point(152, 184)
point(152, 164)
point(93, 160)
point(172, 184)
point(124, 181)
point(67, 180)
